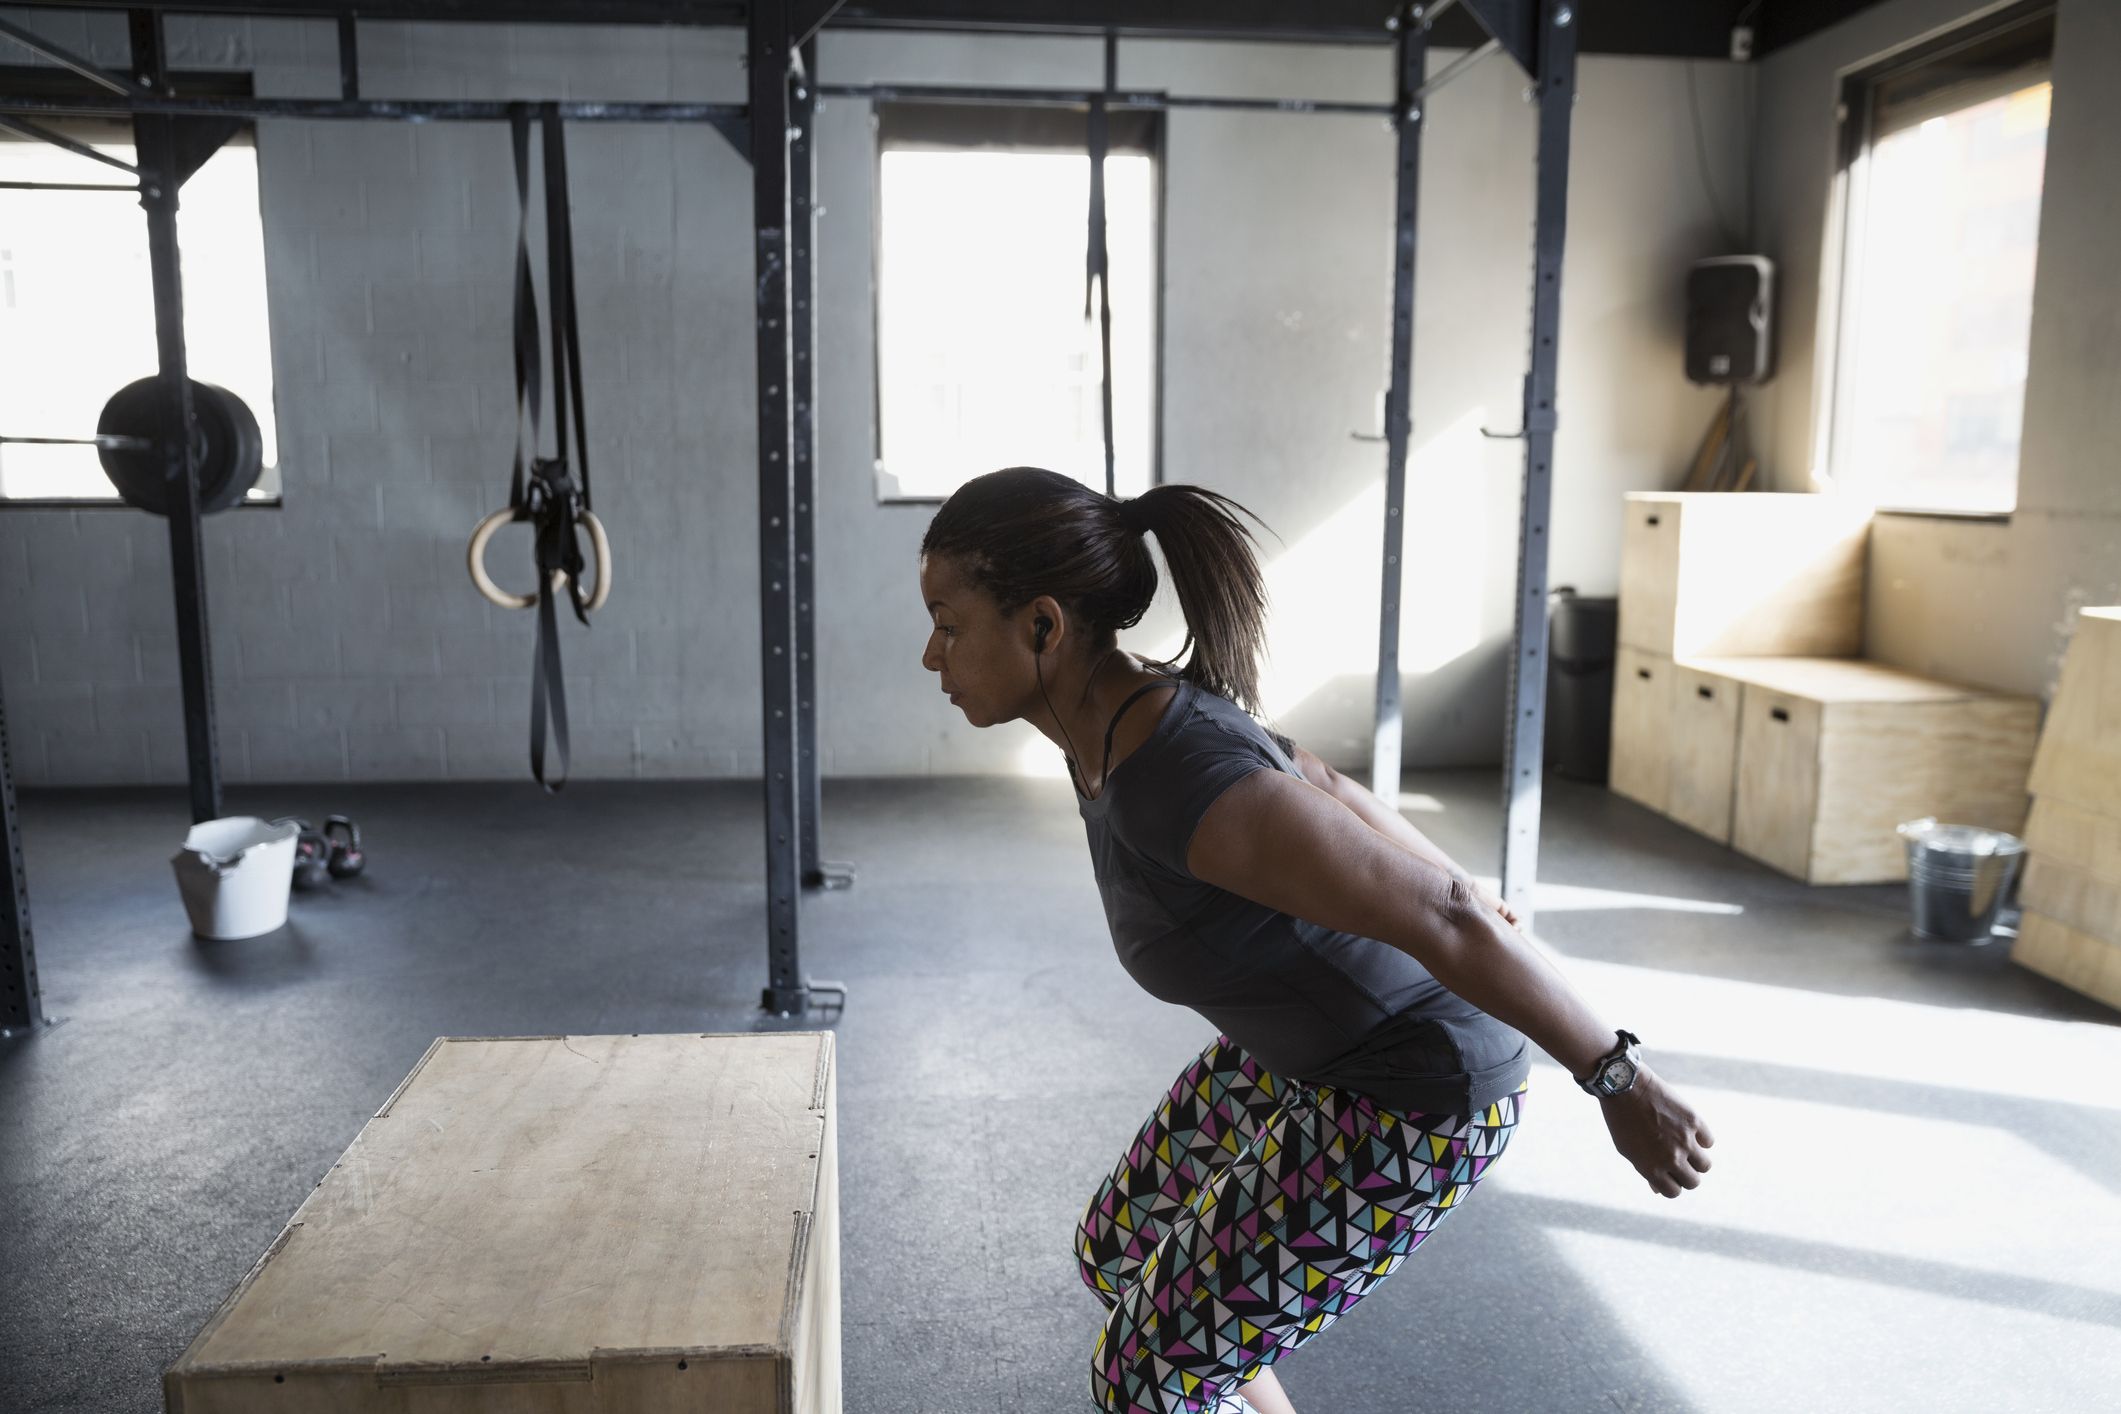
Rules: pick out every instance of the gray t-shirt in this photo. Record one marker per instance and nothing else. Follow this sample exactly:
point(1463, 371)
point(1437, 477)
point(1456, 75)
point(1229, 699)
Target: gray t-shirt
point(1310, 1004)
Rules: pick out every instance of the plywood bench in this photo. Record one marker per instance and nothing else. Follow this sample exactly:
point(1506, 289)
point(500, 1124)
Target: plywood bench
point(556, 1225)
point(1807, 764)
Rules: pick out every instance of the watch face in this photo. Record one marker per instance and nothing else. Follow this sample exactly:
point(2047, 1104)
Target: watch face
point(1618, 1075)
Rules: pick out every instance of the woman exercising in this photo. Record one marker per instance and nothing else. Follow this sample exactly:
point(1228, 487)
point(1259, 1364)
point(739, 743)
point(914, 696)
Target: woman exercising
point(1371, 1001)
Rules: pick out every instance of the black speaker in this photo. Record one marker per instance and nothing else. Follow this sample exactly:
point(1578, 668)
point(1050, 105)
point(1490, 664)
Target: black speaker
point(1730, 303)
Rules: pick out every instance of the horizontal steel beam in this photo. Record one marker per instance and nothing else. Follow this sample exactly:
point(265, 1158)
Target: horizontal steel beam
point(65, 186)
point(1323, 20)
point(65, 143)
point(1319, 21)
point(588, 12)
point(399, 109)
point(66, 59)
point(1646, 27)
point(1083, 97)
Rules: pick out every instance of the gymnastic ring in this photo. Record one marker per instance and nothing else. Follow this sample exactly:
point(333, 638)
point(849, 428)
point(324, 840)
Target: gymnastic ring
point(600, 545)
point(475, 558)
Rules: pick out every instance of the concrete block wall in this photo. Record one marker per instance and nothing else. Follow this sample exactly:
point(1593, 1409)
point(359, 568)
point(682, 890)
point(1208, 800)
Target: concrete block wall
point(349, 643)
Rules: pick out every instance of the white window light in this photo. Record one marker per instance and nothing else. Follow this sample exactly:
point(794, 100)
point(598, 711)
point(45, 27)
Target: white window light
point(986, 357)
point(77, 309)
point(1940, 248)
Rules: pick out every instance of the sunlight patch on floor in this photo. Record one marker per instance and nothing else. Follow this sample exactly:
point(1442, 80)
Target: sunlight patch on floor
point(1972, 1201)
point(1964, 1048)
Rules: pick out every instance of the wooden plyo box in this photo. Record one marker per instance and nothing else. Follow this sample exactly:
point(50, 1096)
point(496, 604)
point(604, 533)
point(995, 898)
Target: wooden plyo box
point(2078, 960)
point(2080, 749)
point(1641, 766)
point(1754, 573)
point(1675, 740)
point(2075, 837)
point(2072, 886)
point(1833, 754)
point(557, 1225)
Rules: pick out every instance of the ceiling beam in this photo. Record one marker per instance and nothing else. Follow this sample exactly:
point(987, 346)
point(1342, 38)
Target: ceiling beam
point(1697, 29)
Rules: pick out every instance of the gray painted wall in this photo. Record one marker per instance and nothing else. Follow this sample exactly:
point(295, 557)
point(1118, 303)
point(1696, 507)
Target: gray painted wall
point(349, 644)
point(1982, 601)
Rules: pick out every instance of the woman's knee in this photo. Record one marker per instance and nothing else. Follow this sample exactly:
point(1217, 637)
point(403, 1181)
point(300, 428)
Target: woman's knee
point(1089, 1232)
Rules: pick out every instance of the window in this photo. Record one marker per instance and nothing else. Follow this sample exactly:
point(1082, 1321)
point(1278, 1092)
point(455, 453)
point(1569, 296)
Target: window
point(77, 310)
point(1943, 156)
point(985, 355)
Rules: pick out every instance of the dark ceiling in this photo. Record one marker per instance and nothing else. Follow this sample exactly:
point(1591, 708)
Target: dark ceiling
point(1694, 28)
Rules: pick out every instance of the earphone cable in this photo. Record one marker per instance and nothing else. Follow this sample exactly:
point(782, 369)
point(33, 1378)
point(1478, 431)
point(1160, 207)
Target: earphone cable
point(1039, 662)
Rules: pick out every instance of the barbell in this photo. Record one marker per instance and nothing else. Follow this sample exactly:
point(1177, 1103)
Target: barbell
point(228, 450)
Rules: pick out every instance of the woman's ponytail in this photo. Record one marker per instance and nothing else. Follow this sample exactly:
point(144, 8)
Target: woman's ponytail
point(1216, 575)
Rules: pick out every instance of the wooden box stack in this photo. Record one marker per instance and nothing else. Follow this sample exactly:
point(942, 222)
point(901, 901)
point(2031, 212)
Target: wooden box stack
point(1742, 711)
point(1730, 575)
point(2072, 883)
point(1755, 574)
point(1833, 753)
point(557, 1225)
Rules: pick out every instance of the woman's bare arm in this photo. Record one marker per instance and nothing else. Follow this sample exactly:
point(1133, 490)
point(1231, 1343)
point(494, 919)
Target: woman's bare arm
point(1387, 821)
point(1379, 816)
point(1293, 847)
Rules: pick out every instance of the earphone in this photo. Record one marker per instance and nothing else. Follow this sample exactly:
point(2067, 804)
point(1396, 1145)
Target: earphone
point(1040, 627)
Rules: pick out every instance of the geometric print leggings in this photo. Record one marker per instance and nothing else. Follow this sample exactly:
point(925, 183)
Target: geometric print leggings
point(1248, 1215)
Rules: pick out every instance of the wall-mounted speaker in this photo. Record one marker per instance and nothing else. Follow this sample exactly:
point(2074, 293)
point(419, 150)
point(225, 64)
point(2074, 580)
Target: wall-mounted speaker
point(1730, 302)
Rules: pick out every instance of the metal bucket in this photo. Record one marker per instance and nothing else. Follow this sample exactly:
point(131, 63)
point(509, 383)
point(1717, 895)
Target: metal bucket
point(1958, 877)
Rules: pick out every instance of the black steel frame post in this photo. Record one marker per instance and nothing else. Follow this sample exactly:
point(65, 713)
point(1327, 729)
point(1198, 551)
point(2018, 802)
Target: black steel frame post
point(1399, 397)
point(21, 996)
point(802, 273)
point(1555, 81)
point(155, 144)
point(785, 992)
point(349, 57)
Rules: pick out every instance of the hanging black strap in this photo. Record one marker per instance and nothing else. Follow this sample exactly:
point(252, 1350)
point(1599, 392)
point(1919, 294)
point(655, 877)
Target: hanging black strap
point(566, 334)
point(547, 686)
point(529, 376)
point(1099, 276)
point(548, 492)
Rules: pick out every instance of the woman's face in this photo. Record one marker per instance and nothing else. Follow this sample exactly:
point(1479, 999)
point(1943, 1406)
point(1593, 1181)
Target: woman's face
point(982, 657)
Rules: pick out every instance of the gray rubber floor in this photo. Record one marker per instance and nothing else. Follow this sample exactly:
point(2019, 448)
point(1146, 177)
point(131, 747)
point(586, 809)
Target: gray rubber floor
point(1916, 1205)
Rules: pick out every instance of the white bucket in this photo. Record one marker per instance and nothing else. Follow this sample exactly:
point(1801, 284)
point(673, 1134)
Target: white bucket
point(235, 873)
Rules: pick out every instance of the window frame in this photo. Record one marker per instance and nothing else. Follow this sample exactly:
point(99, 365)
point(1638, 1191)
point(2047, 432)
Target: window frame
point(1011, 128)
point(1855, 116)
point(45, 81)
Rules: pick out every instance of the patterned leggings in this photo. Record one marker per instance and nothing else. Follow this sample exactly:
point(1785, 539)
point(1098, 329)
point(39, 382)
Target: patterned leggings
point(1250, 1213)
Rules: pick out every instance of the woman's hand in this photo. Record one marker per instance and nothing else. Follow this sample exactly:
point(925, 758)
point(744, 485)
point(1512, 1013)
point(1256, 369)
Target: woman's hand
point(1491, 902)
point(1659, 1134)
point(1495, 901)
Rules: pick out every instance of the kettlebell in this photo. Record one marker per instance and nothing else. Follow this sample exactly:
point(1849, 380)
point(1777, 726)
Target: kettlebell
point(342, 838)
point(312, 855)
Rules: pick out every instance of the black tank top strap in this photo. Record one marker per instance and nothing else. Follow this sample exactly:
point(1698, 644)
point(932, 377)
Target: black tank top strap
point(1105, 771)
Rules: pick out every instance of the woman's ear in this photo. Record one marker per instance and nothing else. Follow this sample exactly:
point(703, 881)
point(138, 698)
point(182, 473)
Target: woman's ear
point(1048, 624)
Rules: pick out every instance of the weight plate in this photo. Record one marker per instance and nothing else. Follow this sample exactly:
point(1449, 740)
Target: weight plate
point(227, 445)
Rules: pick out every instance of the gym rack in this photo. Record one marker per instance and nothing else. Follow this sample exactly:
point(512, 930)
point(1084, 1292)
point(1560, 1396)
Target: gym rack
point(175, 134)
